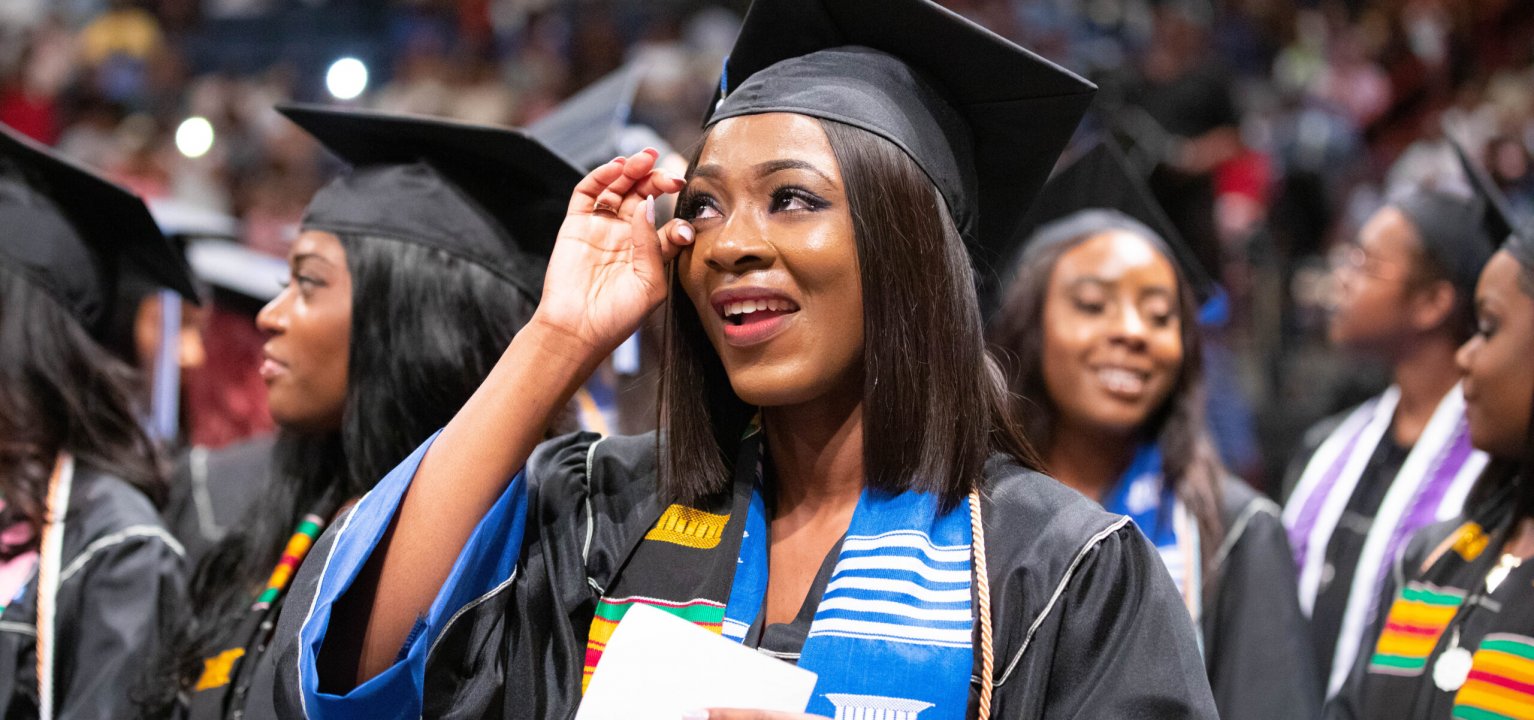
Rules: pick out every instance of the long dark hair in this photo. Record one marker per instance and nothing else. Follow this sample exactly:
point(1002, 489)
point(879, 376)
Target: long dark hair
point(426, 329)
point(935, 402)
point(1178, 427)
point(59, 390)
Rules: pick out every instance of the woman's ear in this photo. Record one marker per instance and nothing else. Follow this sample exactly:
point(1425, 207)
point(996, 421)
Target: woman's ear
point(1433, 305)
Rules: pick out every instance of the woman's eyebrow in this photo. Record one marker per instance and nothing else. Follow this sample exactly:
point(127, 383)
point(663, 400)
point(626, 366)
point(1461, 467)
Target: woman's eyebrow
point(777, 166)
point(302, 258)
point(714, 171)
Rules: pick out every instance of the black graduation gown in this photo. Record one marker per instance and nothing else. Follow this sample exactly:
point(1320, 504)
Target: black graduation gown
point(121, 571)
point(211, 489)
point(246, 694)
point(1433, 560)
point(1087, 623)
point(1256, 649)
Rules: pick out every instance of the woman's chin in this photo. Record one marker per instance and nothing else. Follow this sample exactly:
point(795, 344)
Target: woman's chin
point(769, 386)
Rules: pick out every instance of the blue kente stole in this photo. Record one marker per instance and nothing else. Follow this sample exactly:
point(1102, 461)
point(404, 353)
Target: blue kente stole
point(892, 636)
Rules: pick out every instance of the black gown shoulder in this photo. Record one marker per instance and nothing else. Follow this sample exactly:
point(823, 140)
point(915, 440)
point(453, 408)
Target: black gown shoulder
point(1256, 640)
point(121, 572)
point(212, 488)
point(1086, 618)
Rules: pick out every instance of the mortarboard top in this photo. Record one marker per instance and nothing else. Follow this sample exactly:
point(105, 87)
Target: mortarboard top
point(984, 118)
point(1101, 178)
point(1503, 227)
point(1498, 221)
point(594, 125)
point(77, 235)
point(492, 196)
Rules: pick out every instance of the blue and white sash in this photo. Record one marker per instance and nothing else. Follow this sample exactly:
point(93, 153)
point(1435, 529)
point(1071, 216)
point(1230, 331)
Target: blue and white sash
point(893, 634)
point(1151, 502)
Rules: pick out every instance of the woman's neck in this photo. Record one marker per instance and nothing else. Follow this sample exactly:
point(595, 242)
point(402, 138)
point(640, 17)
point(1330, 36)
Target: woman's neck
point(817, 455)
point(1090, 461)
point(1424, 373)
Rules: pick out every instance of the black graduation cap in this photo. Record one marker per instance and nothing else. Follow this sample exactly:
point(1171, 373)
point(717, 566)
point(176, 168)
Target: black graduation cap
point(493, 196)
point(1498, 221)
point(595, 125)
point(1459, 231)
point(1101, 178)
point(984, 118)
point(77, 235)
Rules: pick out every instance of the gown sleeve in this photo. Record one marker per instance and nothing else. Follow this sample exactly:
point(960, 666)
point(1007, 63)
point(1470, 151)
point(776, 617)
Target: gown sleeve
point(488, 561)
point(1115, 641)
point(1258, 652)
point(110, 614)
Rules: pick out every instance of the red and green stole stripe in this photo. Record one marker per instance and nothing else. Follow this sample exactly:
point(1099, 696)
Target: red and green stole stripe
point(1417, 620)
point(292, 555)
point(1501, 682)
point(705, 613)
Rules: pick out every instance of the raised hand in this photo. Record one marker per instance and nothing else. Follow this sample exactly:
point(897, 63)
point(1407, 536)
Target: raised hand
point(608, 268)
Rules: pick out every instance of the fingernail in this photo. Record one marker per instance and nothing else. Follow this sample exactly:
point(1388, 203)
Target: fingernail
point(620, 159)
point(649, 208)
point(652, 151)
point(695, 715)
point(685, 231)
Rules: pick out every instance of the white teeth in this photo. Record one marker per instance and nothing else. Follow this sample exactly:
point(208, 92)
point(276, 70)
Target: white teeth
point(1121, 380)
point(746, 307)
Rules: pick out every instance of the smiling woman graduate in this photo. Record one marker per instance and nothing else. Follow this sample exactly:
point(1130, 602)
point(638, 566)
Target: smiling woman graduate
point(1099, 334)
point(837, 482)
point(86, 568)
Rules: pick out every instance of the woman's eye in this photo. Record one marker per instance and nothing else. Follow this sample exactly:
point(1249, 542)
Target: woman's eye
point(1089, 306)
point(1485, 328)
point(791, 199)
point(700, 207)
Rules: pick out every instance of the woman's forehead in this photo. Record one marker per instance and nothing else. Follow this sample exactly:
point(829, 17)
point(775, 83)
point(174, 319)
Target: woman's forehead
point(317, 242)
point(742, 143)
point(1115, 255)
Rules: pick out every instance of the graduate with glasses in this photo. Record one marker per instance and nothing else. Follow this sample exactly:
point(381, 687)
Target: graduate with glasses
point(1368, 478)
point(1454, 637)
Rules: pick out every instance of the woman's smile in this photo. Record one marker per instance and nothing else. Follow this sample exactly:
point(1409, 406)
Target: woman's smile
point(752, 315)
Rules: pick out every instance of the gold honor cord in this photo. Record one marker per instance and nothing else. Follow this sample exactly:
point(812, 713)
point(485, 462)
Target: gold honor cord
point(983, 600)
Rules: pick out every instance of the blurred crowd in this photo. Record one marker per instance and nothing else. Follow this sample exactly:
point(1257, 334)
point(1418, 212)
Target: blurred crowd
point(1274, 128)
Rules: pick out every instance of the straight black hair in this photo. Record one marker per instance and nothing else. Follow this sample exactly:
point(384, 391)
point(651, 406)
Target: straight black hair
point(60, 391)
point(935, 402)
point(426, 329)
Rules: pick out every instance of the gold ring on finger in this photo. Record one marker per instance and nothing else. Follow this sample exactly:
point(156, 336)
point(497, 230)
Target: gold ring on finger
point(602, 207)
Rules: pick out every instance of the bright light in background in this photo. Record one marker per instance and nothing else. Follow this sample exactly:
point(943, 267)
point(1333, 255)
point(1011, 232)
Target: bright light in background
point(194, 137)
point(347, 78)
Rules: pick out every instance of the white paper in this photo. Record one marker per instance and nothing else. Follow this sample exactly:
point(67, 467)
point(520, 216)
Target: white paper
point(657, 666)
